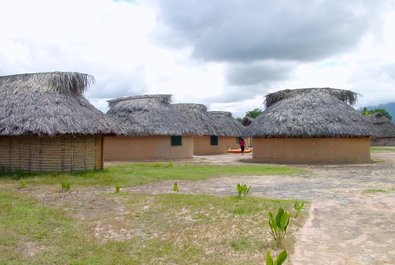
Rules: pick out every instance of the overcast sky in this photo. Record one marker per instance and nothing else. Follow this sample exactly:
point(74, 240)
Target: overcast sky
point(226, 54)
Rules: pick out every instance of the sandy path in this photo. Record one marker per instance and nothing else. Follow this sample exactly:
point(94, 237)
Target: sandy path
point(347, 225)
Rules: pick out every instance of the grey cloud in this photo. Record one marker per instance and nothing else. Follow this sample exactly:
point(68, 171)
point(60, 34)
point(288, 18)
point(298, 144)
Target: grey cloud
point(237, 31)
point(111, 81)
point(116, 84)
point(253, 74)
point(239, 93)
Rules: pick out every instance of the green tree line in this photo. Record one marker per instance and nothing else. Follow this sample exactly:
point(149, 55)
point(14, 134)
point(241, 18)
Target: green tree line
point(365, 111)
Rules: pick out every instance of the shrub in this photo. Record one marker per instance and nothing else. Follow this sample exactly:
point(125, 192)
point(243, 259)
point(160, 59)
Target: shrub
point(65, 186)
point(175, 187)
point(117, 188)
point(278, 225)
point(298, 206)
point(242, 190)
point(279, 260)
point(22, 184)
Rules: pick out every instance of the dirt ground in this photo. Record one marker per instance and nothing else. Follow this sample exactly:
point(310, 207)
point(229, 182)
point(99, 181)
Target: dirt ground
point(351, 215)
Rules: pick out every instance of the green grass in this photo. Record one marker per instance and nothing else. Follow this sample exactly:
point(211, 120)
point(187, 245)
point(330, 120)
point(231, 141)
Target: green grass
point(28, 229)
point(75, 227)
point(374, 191)
point(153, 229)
point(133, 174)
point(382, 149)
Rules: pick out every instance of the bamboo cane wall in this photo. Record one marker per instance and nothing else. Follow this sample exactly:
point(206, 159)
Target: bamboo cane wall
point(59, 153)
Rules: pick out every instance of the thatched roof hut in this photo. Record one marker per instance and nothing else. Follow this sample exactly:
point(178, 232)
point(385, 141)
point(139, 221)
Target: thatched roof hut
point(150, 115)
point(49, 110)
point(198, 116)
point(155, 130)
point(213, 131)
point(246, 121)
point(311, 113)
point(228, 125)
point(384, 129)
point(49, 104)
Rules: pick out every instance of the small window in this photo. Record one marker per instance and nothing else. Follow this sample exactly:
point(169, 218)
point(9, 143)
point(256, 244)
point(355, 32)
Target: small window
point(238, 140)
point(176, 140)
point(213, 140)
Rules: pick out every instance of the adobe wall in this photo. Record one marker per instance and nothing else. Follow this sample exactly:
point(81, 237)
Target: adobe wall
point(312, 150)
point(202, 146)
point(140, 148)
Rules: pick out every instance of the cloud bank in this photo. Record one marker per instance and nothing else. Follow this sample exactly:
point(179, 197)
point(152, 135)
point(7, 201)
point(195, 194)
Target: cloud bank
point(226, 54)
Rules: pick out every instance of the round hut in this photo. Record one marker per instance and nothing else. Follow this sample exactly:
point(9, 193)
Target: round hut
point(47, 125)
point(246, 121)
point(206, 142)
point(384, 130)
point(155, 130)
point(230, 130)
point(311, 125)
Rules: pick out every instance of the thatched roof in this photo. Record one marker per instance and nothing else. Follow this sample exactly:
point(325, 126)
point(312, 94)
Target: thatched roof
point(246, 121)
point(197, 114)
point(310, 112)
point(343, 95)
point(150, 115)
point(384, 127)
point(49, 104)
point(228, 125)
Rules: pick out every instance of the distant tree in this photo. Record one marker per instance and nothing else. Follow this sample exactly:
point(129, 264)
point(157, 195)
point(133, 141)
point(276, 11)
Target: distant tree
point(254, 113)
point(365, 111)
point(239, 119)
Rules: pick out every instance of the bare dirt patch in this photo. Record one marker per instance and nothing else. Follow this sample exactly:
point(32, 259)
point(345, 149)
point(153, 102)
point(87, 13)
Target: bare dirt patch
point(351, 216)
point(347, 225)
point(103, 215)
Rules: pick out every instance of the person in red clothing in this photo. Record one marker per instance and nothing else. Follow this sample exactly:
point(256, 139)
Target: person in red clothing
point(242, 145)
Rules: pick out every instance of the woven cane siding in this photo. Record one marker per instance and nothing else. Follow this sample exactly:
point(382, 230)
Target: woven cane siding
point(59, 153)
point(312, 150)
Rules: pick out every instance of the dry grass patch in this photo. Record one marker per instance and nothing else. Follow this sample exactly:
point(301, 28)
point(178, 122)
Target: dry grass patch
point(98, 226)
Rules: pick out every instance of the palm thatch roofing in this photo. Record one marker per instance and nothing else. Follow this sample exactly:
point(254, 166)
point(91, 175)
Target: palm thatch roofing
point(310, 112)
point(48, 104)
point(384, 127)
point(147, 115)
point(228, 125)
point(246, 121)
point(197, 114)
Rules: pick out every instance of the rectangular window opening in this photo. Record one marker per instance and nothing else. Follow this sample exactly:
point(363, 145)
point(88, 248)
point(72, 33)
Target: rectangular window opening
point(176, 140)
point(213, 140)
